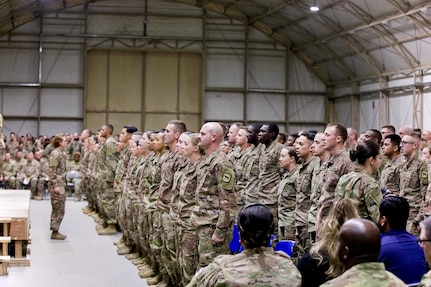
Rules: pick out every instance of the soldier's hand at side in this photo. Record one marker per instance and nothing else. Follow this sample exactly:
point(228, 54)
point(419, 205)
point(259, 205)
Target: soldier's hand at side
point(56, 189)
point(216, 240)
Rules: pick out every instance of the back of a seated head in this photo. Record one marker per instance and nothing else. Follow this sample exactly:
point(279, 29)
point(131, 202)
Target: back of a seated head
point(255, 224)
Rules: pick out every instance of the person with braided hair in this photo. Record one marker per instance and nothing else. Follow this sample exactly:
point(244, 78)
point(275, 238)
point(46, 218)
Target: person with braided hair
point(258, 264)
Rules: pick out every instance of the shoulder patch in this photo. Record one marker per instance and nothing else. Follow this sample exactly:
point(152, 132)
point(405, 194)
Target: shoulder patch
point(228, 178)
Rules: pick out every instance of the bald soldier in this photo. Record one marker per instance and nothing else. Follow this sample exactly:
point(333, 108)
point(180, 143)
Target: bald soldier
point(358, 250)
point(215, 197)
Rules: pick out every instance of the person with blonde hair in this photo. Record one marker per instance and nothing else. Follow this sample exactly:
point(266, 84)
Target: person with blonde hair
point(321, 263)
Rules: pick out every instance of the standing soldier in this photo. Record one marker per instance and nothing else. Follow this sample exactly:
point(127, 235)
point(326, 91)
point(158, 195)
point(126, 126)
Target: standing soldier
point(56, 184)
point(269, 172)
point(12, 144)
point(106, 165)
point(43, 177)
point(303, 190)
point(390, 174)
point(215, 197)
point(413, 180)
point(251, 165)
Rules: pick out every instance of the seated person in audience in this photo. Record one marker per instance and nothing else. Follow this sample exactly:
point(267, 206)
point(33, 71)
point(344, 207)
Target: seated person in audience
point(8, 172)
point(358, 250)
point(29, 174)
point(399, 251)
point(425, 242)
point(257, 265)
point(321, 263)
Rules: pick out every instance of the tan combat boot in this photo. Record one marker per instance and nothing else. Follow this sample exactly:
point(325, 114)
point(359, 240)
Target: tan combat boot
point(109, 230)
point(123, 250)
point(118, 241)
point(154, 280)
point(57, 236)
point(132, 256)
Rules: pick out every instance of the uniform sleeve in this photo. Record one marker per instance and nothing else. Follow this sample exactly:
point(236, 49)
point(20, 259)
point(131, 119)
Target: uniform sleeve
point(111, 161)
point(53, 163)
point(227, 199)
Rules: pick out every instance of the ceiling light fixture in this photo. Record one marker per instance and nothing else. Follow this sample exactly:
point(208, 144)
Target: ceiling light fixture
point(314, 7)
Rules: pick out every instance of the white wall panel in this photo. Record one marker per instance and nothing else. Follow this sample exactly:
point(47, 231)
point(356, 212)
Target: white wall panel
point(369, 115)
point(18, 65)
point(427, 111)
point(224, 71)
point(224, 106)
point(61, 66)
point(401, 111)
point(294, 128)
point(57, 127)
point(62, 102)
point(19, 127)
point(342, 111)
point(300, 78)
point(306, 108)
point(267, 72)
point(174, 27)
point(20, 102)
point(266, 107)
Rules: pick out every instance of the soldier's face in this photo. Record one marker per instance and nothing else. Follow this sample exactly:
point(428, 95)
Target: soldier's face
point(330, 138)
point(408, 145)
point(264, 135)
point(232, 133)
point(241, 137)
point(159, 145)
point(169, 135)
point(388, 148)
point(285, 160)
point(124, 136)
point(302, 147)
point(317, 147)
point(188, 147)
point(205, 137)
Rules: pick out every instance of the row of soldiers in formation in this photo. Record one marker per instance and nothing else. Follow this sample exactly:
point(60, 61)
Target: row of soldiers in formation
point(174, 194)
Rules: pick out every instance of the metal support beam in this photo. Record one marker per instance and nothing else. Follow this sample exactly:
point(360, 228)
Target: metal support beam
point(418, 99)
point(384, 118)
point(355, 107)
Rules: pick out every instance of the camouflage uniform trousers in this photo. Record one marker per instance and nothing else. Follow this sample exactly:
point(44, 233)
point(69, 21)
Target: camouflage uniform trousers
point(77, 187)
point(187, 252)
point(41, 186)
point(125, 217)
point(58, 203)
point(169, 250)
point(145, 228)
point(286, 233)
point(206, 250)
point(274, 210)
point(110, 202)
point(134, 222)
point(302, 245)
point(155, 239)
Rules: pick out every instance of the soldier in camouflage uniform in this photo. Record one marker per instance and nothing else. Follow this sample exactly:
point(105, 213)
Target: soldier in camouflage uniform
point(12, 144)
point(124, 150)
point(251, 164)
point(215, 197)
point(234, 150)
point(239, 160)
point(8, 172)
point(303, 191)
point(43, 177)
point(287, 194)
point(390, 174)
point(106, 165)
point(425, 243)
point(187, 182)
point(29, 172)
point(269, 172)
point(75, 165)
point(359, 246)
point(56, 184)
point(413, 181)
point(318, 151)
point(338, 162)
point(258, 265)
point(169, 166)
point(359, 185)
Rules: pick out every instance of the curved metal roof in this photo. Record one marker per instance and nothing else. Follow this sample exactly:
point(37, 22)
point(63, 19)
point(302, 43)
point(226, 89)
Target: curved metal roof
point(346, 41)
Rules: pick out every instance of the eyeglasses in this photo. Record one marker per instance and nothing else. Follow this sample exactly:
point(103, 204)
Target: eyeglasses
point(421, 241)
point(404, 142)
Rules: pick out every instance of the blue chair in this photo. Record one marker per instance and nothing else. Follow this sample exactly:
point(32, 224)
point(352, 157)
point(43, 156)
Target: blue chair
point(286, 246)
point(234, 245)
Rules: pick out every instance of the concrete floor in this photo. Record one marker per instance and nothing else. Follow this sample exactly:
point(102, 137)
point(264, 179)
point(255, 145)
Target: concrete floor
point(83, 259)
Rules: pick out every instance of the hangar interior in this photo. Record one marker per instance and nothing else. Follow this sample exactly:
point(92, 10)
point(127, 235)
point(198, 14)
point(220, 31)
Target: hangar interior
point(66, 65)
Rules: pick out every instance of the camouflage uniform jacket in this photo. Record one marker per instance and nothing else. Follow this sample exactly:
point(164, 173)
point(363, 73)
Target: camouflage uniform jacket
point(426, 280)
point(390, 175)
point(107, 159)
point(269, 173)
point(169, 166)
point(251, 172)
point(303, 191)
point(154, 179)
point(335, 166)
point(363, 190)
point(253, 267)
point(366, 274)
point(178, 179)
point(413, 185)
point(44, 167)
point(121, 170)
point(57, 168)
point(85, 164)
point(30, 170)
point(12, 147)
point(8, 169)
point(239, 160)
point(317, 179)
point(73, 165)
point(287, 198)
point(215, 194)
